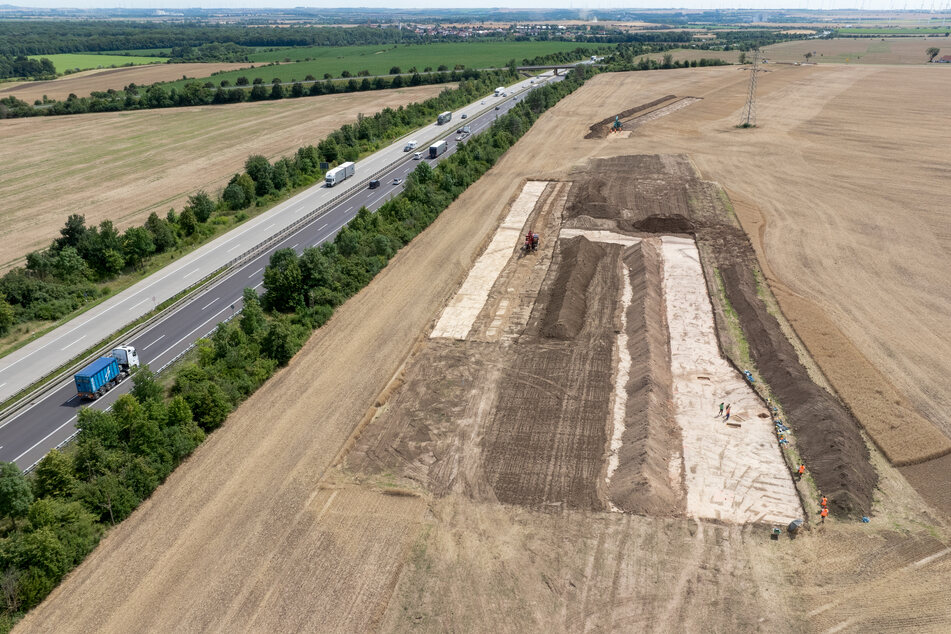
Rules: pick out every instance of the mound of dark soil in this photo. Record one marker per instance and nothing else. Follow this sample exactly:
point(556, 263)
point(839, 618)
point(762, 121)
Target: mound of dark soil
point(663, 193)
point(675, 223)
point(602, 128)
point(641, 484)
point(567, 304)
point(826, 434)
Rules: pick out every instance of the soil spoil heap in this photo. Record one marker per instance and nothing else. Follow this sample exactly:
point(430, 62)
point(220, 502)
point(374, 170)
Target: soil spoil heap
point(648, 480)
point(646, 192)
point(602, 128)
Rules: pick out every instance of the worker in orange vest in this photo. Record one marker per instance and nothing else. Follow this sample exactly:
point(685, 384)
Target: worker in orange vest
point(824, 514)
point(802, 470)
point(825, 502)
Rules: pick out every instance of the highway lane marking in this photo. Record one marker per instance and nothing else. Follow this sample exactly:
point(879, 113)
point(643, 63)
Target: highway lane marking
point(136, 306)
point(256, 286)
point(44, 438)
point(322, 226)
point(256, 272)
point(43, 347)
point(295, 245)
point(210, 303)
point(2, 384)
point(153, 343)
point(189, 334)
point(237, 246)
point(426, 130)
point(74, 343)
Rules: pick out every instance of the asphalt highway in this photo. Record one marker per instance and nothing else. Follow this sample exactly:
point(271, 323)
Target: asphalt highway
point(43, 355)
point(27, 436)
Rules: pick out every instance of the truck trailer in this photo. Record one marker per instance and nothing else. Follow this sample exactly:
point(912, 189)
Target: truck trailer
point(445, 117)
point(437, 148)
point(340, 173)
point(104, 373)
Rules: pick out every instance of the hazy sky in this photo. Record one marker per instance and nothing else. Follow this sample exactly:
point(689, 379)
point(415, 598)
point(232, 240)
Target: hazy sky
point(534, 4)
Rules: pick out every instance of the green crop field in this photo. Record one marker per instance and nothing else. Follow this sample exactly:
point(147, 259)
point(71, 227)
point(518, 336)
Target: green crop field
point(374, 58)
point(86, 61)
point(378, 60)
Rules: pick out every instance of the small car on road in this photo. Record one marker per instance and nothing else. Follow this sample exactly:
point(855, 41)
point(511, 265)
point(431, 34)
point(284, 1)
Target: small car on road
point(465, 116)
point(397, 181)
point(374, 184)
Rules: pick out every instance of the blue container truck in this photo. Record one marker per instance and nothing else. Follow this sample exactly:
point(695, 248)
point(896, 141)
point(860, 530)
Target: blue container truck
point(104, 373)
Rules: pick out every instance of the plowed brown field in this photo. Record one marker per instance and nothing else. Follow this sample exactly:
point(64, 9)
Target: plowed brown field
point(257, 531)
point(122, 166)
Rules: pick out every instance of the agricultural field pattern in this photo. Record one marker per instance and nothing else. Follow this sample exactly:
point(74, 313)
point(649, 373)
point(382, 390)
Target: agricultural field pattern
point(497, 439)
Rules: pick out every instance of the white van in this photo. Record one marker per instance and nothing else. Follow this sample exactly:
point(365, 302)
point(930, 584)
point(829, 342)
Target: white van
point(410, 146)
point(417, 156)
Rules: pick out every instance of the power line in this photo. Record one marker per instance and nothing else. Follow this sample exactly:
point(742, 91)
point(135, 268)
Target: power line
point(749, 114)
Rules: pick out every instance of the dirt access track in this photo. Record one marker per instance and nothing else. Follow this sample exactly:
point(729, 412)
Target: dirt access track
point(257, 531)
point(122, 166)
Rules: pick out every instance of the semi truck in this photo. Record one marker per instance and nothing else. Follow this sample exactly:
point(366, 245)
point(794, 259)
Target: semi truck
point(104, 373)
point(445, 117)
point(340, 173)
point(437, 148)
point(499, 91)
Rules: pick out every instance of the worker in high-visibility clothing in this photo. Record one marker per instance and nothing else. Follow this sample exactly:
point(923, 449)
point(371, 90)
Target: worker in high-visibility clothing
point(825, 502)
point(824, 514)
point(802, 470)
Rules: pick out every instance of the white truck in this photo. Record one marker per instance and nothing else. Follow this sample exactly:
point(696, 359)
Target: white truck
point(438, 148)
point(410, 146)
point(499, 91)
point(444, 117)
point(340, 173)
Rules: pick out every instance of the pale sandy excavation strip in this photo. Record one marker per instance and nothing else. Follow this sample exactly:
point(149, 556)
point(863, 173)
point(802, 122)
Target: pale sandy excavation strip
point(599, 235)
point(459, 315)
point(663, 112)
point(733, 473)
point(619, 408)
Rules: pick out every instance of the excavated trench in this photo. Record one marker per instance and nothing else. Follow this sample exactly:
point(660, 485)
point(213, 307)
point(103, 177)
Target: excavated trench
point(662, 194)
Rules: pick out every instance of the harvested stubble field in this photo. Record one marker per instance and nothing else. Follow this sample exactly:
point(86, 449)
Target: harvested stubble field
point(123, 166)
point(258, 531)
point(888, 50)
point(840, 190)
point(82, 84)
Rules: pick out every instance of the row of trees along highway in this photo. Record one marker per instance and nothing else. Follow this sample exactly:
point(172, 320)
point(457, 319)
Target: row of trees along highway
point(78, 266)
point(54, 517)
point(199, 93)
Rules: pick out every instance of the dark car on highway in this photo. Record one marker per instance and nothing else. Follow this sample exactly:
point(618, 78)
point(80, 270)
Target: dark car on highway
point(374, 184)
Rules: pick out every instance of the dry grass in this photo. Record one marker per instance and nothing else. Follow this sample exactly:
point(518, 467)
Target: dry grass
point(895, 50)
point(82, 84)
point(841, 189)
point(257, 532)
point(122, 166)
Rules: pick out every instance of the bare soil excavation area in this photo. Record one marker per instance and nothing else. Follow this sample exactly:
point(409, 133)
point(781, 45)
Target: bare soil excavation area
point(124, 165)
point(491, 441)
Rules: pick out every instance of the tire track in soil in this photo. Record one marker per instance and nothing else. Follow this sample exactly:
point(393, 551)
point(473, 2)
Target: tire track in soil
point(544, 445)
